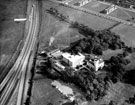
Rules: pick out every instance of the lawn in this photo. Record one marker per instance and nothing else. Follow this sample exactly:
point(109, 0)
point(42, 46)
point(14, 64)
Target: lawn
point(73, 2)
point(61, 33)
point(94, 22)
point(119, 92)
point(131, 57)
point(127, 34)
point(109, 53)
point(43, 93)
point(132, 14)
point(96, 6)
point(121, 14)
point(10, 32)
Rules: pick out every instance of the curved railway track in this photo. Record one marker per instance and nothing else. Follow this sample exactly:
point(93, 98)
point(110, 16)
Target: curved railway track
point(18, 73)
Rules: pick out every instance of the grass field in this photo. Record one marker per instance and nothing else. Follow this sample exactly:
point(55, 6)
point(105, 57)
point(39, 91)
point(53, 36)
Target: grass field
point(60, 32)
point(52, 28)
point(127, 34)
point(131, 57)
point(43, 93)
point(74, 1)
point(119, 92)
point(121, 14)
point(10, 32)
point(96, 6)
point(92, 21)
point(132, 14)
point(109, 53)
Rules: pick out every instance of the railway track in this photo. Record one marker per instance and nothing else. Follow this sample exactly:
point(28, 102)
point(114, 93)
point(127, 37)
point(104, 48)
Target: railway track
point(18, 73)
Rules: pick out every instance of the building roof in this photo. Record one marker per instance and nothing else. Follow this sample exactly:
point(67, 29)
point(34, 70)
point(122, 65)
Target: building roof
point(73, 58)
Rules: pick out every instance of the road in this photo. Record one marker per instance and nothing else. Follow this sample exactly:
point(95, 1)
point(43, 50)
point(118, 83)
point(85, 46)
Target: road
point(17, 76)
point(96, 13)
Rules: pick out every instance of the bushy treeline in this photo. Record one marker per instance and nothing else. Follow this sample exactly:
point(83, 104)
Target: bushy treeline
point(131, 100)
point(95, 41)
point(58, 15)
point(94, 87)
point(115, 68)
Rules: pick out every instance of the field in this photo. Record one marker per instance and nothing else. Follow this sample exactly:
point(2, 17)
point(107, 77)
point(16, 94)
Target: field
point(119, 92)
point(121, 14)
point(10, 32)
point(44, 93)
point(109, 53)
point(132, 14)
point(127, 34)
point(96, 6)
point(54, 32)
point(92, 21)
point(74, 1)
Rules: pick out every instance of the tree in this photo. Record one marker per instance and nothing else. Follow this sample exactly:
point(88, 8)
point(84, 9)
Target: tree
point(49, 104)
point(112, 103)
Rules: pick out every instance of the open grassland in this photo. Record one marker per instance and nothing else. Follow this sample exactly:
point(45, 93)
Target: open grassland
point(43, 93)
point(74, 1)
point(119, 92)
point(127, 34)
point(94, 22)
point(131, 57)
point(132, 15)
point(10, 32)
point(96, 6)
point(121, 14)
point(109, 53)
point(53, 32)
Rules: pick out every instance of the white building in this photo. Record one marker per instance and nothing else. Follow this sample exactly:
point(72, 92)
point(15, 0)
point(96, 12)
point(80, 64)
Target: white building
point(73, 60)
point(84, 2)
point(99, 64)
point(110, 9)
point(96, 63)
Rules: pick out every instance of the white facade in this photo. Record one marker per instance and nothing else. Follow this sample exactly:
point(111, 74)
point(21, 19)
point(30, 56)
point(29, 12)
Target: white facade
point(111, 9)
point(83, 2)
point(99, 64)
point(96, 63)
point(73, 60)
